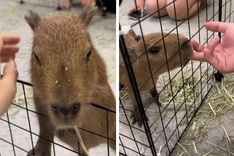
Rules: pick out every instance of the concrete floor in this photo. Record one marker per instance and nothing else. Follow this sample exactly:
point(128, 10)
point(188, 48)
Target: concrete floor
point(103, 35)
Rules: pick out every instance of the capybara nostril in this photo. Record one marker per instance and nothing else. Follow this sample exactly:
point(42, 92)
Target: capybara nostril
point(185, 43)
point(55, 109)
point(74, 110)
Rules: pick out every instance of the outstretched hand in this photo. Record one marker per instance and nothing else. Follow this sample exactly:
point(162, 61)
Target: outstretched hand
point(219, 55)
point(8, 48)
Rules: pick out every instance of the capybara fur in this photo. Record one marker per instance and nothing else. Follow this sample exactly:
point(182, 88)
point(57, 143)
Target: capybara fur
point(152, 54)
point(68, 75)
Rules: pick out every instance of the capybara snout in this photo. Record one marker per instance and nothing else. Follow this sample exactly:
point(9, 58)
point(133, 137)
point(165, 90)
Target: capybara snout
point(66, 113)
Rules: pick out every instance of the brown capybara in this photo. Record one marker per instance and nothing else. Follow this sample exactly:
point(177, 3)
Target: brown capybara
point(68, 76)
point(164, 53)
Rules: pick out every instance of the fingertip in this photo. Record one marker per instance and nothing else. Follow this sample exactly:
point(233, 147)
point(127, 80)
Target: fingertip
point(209, 23)
point(10, 71)
point(17, 38)
point(217, 26)
point(194, 42)
point(216, 40)
point(10, 38)
point(196, 46)
point(213, 43)
point(212, 24)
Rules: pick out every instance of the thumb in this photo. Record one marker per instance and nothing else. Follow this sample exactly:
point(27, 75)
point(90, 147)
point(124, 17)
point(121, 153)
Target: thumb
point(10, 71)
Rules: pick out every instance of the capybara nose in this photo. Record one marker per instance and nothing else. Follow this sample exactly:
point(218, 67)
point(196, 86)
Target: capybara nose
point(65, 111)
point(185, 43)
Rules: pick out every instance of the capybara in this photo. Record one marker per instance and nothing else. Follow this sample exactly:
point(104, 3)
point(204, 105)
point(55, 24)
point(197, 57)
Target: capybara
point(165, 52)
point(68, 76)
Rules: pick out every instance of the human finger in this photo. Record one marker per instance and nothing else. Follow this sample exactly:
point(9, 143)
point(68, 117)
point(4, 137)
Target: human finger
point(217, 26)
point(196, 46)
point(7, 58)
point(10, 39)
point(198, 56)
point(9, 50)
point(212, 45)
point(10, 72)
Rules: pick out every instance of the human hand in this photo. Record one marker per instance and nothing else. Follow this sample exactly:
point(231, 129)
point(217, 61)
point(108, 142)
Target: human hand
point(140, 4)
point(8, 46)
point(8, 49)
point(219, 55)
point(88, 2)
point(8, 85)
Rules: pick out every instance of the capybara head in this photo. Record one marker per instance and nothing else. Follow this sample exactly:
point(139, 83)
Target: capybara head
point(167, 49)
point(160, 52)
point(63, 64)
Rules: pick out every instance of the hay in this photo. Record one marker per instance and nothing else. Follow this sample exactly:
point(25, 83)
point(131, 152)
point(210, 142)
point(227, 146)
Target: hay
point(219, 102)
point(179, 91)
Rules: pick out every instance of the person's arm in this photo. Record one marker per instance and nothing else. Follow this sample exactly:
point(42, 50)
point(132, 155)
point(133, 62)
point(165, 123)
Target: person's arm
point(219, 55)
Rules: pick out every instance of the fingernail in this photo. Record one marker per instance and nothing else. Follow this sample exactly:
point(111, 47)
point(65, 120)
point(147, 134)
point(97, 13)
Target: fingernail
point(10, 63)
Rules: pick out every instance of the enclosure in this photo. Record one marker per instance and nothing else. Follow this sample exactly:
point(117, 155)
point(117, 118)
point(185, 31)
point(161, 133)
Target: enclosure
point(19, 125)
point(196, 112)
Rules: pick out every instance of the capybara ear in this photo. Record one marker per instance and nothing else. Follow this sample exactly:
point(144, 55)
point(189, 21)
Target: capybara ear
point(88, 13)
point(33, 19)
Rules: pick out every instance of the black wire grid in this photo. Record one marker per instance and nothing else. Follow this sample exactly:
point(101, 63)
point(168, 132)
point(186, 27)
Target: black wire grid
point(19, 126)
point(20, 129)
point(166, 126)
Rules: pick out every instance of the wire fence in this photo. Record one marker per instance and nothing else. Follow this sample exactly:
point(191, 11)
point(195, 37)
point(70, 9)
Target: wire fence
point(157, 104)
point(20, 128)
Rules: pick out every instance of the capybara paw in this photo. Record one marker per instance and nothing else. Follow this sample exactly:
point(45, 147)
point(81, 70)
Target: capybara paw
point(136, 117)
point(155, 95)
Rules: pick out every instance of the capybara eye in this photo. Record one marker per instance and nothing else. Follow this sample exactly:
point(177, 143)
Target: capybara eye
point(154, 50)
point(55, 109)
point(76, 106)
point(37, 59)
point(88, 56)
